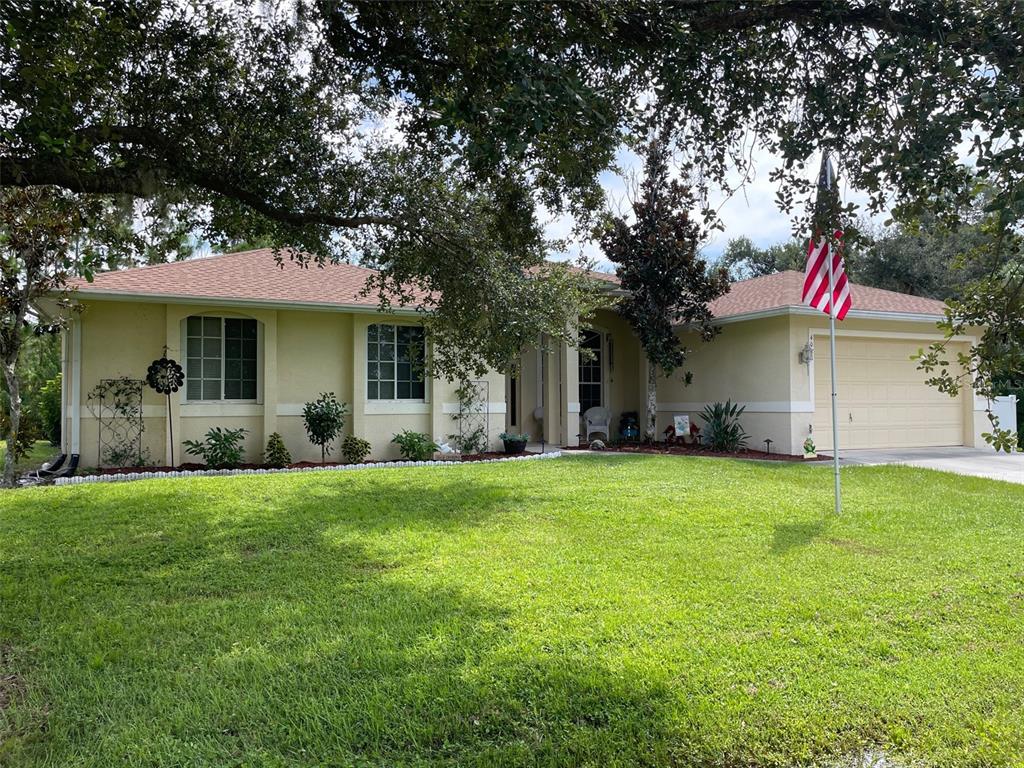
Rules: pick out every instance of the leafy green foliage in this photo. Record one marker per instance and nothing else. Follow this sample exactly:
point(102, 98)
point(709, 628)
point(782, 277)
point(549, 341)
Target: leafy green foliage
point(324, 419)
point(276, 454)
point(657, 262)
point(49, 406)
point(222, 448)
point(414, 446)
point(470, 419)
point(355, 450)
point(256, 125)
point(723, 430)
point(255, 131)
point(744, 260)
point(125, 454)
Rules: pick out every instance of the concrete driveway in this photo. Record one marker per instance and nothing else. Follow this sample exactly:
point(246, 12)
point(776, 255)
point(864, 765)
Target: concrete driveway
point(977, 462)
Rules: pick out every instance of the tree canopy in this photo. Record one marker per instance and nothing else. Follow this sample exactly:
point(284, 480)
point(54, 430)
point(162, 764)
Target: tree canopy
point(421, 137)
point(744, 260)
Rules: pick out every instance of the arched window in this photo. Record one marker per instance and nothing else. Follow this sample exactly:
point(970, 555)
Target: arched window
point(221, 358)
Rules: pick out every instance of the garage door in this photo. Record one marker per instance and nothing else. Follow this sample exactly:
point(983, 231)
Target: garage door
point(883, 401)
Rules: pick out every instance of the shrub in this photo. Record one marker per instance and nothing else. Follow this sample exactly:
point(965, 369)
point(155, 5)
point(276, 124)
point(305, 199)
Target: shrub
point(354, 449)
point(222, 448)
point(276, 455)
point(49, 410)
point(414, 446)
point(325, 418)
point(724, 431)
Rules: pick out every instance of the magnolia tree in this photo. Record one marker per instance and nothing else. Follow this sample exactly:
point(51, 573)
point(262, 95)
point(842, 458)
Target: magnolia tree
point(669, 285)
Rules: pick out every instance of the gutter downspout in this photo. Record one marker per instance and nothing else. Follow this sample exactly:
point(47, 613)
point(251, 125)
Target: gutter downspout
point(76, 387)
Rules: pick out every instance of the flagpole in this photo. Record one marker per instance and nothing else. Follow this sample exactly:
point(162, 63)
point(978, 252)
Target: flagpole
point(832, 345)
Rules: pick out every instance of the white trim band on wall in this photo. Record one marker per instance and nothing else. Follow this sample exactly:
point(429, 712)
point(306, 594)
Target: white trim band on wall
point(777, 406)
point(395, 408)
point(492, 408)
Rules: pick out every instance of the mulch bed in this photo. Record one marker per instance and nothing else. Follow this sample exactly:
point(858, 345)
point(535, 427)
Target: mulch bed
point(192, 467)
point(695, 450)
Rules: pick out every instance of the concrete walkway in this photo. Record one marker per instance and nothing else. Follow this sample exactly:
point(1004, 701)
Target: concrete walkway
point(977, 462)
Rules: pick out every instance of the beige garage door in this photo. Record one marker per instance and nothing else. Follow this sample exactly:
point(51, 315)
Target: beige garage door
point(883, 401)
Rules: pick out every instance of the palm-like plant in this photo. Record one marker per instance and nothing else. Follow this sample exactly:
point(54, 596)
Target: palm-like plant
point(724, 431)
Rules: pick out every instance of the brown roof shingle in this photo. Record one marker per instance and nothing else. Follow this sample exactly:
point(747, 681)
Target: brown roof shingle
point(783, 289)
point(244, 276)
point(255, 276)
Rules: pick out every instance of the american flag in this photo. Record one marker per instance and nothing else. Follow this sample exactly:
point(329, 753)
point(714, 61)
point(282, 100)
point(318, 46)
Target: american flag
point(820, 254)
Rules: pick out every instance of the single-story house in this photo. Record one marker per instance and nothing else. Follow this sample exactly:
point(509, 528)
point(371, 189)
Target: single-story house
point(257, 341)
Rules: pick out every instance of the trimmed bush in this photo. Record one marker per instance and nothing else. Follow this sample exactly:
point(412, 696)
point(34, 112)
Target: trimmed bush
point(276, 455)
point(324, 418)
point(354, 449)
point(222, 448)
point(414, 446)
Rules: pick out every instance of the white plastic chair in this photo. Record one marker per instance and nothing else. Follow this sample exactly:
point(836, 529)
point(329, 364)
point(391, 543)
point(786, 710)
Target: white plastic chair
point(597, 420)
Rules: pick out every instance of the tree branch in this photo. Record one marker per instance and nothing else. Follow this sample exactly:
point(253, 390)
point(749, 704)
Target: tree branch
point(869, 16)
point(142, 179)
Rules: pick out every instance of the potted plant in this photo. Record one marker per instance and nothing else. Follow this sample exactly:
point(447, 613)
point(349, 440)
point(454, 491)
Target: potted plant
point(809, 450)
point(514, 443)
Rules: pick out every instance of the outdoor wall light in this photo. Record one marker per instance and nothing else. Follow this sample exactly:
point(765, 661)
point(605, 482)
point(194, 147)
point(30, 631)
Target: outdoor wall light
point(807, 353)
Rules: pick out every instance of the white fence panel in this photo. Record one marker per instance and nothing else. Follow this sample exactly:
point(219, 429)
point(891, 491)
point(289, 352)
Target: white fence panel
point(1005, 409)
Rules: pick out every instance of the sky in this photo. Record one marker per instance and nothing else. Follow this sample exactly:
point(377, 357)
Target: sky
point(750, 212)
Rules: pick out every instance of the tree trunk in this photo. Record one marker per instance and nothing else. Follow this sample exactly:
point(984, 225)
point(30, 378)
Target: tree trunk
point(652, 401)
point(14, 412)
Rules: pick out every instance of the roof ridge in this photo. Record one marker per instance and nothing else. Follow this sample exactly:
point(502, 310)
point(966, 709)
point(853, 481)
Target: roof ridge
point(189, 260)
point(218, 256)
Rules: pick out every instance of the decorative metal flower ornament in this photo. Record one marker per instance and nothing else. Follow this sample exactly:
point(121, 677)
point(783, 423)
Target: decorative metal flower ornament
point(165, 376)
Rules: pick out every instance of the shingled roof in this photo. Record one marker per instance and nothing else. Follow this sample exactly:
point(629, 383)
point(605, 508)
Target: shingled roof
point(247, 276)
point(783, 289)
point(255, 277)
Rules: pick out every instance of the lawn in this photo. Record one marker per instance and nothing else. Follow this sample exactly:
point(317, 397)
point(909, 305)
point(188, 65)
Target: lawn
point(41, 451)
point(593, 610)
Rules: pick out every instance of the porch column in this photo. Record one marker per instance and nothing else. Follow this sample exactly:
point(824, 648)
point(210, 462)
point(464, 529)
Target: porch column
point(440, 423)
point(172, 339)
point(561, 394)
point(571, 393)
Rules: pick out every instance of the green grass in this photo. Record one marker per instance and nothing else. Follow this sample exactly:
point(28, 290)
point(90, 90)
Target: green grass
point(594, 610)
point(41, 451)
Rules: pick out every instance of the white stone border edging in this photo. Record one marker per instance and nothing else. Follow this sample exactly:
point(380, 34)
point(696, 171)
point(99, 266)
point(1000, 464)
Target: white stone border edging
point(129, 476)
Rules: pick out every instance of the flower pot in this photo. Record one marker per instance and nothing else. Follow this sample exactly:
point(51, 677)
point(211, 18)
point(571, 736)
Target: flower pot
point(514, 446)
point(810, 455)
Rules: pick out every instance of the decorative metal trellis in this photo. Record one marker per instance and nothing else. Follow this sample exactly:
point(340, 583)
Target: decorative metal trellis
point(117, 405)
point(473, 416)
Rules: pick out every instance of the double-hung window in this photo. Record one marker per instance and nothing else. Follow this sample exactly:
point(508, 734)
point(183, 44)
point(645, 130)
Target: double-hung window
point(221, 358)
point(394, 362)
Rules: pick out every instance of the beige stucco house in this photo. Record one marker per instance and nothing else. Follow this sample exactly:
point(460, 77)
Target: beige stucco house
point(257, 341)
